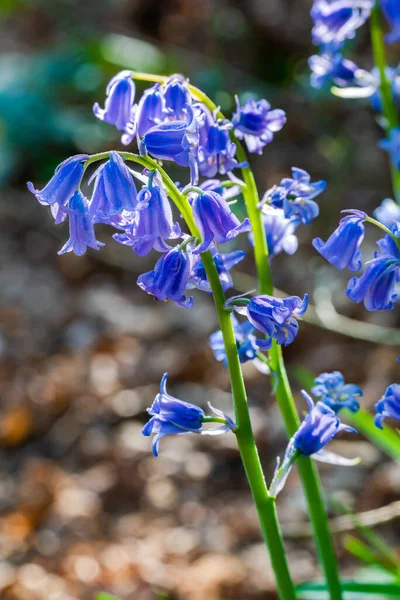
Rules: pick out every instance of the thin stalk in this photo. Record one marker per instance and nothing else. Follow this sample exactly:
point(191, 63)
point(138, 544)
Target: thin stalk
point(389, 108)
point(265, 504)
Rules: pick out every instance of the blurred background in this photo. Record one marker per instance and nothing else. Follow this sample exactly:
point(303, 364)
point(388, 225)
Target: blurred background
point(84, 506)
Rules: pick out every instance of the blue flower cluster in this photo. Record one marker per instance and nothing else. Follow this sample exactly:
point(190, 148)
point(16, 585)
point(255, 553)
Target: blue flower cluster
point(335, 22)
point(319, 427)
point(170, 125)
point(388, 406)
point(376, 286)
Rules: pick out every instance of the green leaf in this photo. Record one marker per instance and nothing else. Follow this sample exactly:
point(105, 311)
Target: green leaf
point(387, 439)
point(391, 590)
point(105, 596)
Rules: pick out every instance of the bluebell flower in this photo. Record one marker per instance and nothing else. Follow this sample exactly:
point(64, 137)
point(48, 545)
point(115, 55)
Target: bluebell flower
point(151, 110)
point(332, 390)
point(216, 152)
point(275, 317)
point(279, 231)
point(376, 286)
point(391, 8)
point(215, 220)
point(318, 428)
point(388, 405)
point(338, 20)
point(176, 141)
point(296, 195)
point(331, 67)
point(114, 189)
point(223, 262)
point(246, 343)
point(170, 416)
point(392, 145)
point(119, 105)
point(64, 183)
point(176, 95)
point(388, 212)
point(256, 123)
point(152, 222)
point(81, 230)
point(169, 278)
point(342, 249)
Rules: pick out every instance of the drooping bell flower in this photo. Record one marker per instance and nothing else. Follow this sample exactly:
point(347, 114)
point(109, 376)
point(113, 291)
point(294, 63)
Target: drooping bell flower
point(153, 220)
point(296, 195)
point(256, 123)
point(64, 182)
point(114, 189)
point(331, 389)
point(223, 263)
point(342, 249)
point(337, 20)
point(176, 141)
point(81, 230)
point(275, 317)
point(176, 96)
point(376, 286)
point(318, 428)
point(388, 406)
point(391, 8)
point(119, 105)
point(169, 278)
point(171, 416)
point(151, 110)
point(216, 152)
point(215, 220)
point(331, 67)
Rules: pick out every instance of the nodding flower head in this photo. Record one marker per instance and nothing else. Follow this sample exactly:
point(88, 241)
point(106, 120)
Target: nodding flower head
point(296, 195)
point(216, 150)
point(256, 123)
point(81, 231)
point(151, 110)
point(338, 20)
point(170, 416)
point(376, 286)
point(331, 67)
point(64, 182)
point(169, 278)
point(388, 406)
point(119, 105)
point(114, 189)
point(215, 220)
point(318, 428)
point(332, 390)
point(275, 317)
point(175, 140)
point(176, 95)
point(152, 222)
point(392, 146)
point(342, 249)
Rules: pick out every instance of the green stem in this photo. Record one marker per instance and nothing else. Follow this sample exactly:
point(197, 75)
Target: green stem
point(265, 504)
point(308, 472)
point(388, 104)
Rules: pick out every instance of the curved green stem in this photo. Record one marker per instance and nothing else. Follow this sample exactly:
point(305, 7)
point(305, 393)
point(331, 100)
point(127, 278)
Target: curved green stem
point(308, 472)
point(265, 504)
point(389, 108)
